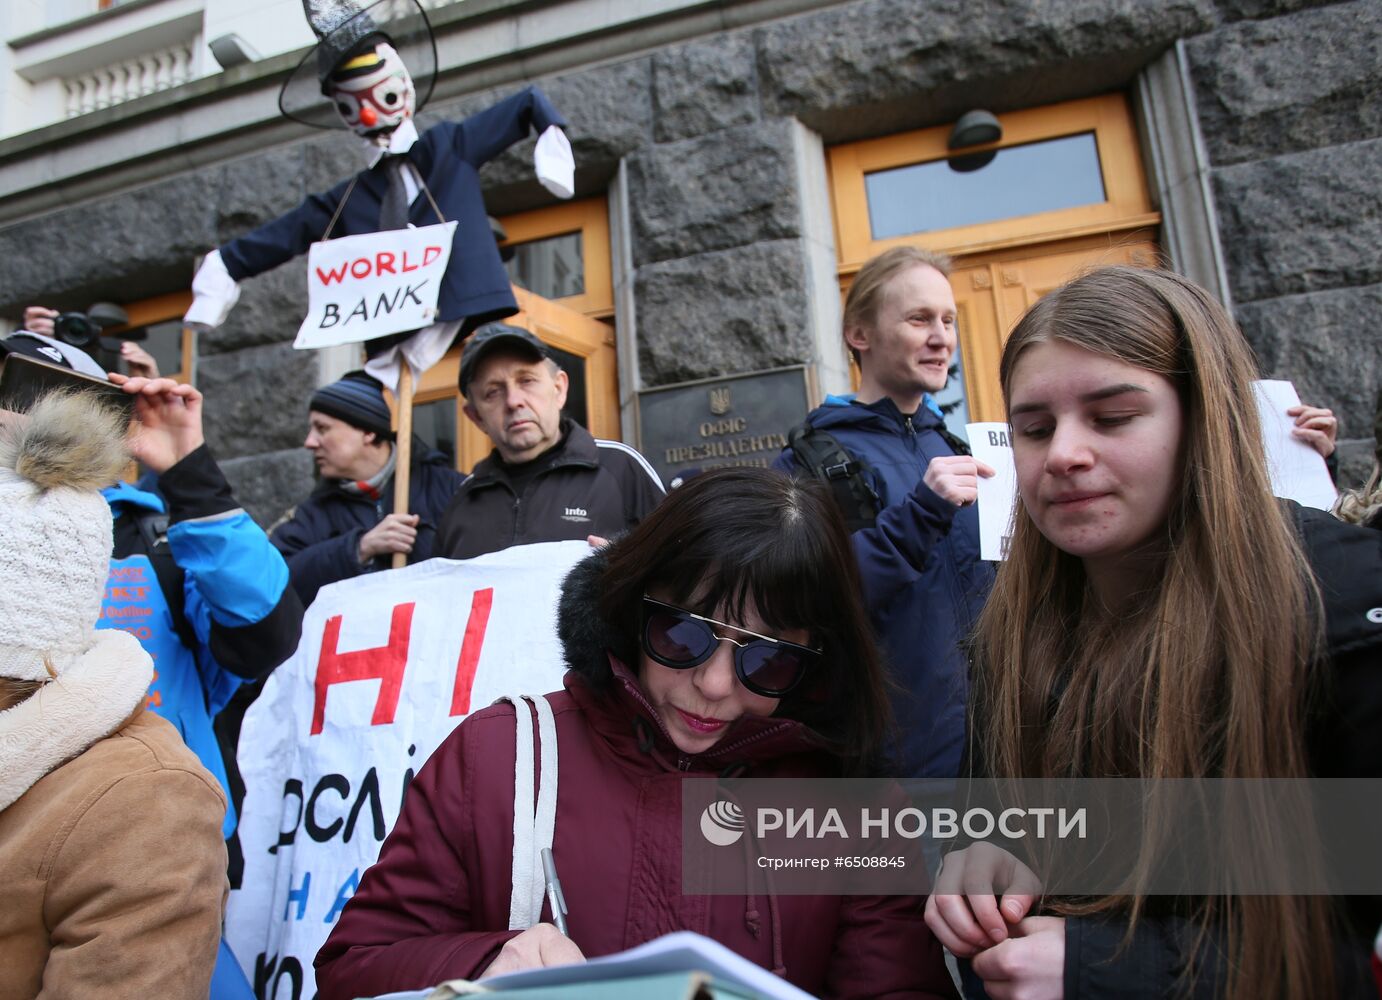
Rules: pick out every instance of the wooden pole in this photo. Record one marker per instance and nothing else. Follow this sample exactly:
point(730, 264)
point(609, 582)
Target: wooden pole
point(403, 448)
point(189, 352)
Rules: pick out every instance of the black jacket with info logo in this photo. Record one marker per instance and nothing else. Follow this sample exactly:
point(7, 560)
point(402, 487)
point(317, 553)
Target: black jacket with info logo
point(581, 486)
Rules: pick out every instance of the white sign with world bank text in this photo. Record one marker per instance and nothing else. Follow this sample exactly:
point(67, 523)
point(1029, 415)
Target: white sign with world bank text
point(374, 285)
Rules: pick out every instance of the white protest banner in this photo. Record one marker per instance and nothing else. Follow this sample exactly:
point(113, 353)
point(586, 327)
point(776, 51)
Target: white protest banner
point(373, 285)
point(1298, 471)
point(389, 664)
point(991, 443)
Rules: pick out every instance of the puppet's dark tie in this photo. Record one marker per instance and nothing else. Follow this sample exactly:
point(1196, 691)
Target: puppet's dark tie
point(393, 210)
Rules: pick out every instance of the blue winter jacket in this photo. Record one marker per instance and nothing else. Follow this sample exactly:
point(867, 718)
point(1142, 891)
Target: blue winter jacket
point(207, 596)
point(448, 157)
point(923, 579)
point(321, 541)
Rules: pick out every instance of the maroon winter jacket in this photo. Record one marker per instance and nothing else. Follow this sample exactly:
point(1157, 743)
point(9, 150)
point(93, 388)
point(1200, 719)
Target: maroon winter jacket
point(436, 904)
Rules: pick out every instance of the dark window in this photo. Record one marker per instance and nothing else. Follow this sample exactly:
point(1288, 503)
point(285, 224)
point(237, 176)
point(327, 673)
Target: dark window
point(550, 267)
point(162, 340)
point(435, 423)
point(576, 406)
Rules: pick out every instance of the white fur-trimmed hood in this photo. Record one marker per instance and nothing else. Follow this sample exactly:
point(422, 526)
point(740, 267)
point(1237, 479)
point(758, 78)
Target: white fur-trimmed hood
point(96, 692)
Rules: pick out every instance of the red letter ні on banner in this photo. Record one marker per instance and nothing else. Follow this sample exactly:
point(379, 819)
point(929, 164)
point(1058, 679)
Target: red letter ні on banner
point(471, 644)
point(382, 663)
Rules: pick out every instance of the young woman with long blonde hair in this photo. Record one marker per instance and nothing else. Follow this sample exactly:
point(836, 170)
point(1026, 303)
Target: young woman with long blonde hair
point(1162, 615)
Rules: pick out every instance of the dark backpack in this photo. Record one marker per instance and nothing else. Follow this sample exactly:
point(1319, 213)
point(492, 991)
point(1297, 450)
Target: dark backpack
point(849, 476)
point(153, 529)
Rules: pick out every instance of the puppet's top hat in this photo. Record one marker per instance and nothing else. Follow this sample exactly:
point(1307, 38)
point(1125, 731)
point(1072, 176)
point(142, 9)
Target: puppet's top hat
point(343, 28)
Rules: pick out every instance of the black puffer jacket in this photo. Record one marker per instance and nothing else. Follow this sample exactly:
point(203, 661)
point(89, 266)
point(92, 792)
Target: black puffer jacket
point(321, 541)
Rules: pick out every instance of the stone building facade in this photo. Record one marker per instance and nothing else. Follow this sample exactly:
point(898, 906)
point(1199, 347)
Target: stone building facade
point(704, 125)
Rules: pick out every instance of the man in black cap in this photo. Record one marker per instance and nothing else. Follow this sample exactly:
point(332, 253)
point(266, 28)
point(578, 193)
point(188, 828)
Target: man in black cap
point(547, 479)
point(348, 525)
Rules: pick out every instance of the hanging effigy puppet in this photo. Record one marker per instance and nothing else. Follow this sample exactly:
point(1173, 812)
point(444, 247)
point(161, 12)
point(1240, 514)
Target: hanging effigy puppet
point(371, 71)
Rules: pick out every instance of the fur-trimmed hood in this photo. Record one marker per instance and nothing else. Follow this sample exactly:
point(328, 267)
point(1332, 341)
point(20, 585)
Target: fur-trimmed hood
point(587, 640)
point(97, 692)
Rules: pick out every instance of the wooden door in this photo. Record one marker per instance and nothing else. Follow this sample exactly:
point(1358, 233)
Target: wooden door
point(1004, 260)
point(992, 291)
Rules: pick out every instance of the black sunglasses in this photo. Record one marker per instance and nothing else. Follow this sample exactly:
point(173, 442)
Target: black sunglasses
point(681, 639)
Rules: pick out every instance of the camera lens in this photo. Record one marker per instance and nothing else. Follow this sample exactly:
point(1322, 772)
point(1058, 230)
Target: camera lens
point(76, 329)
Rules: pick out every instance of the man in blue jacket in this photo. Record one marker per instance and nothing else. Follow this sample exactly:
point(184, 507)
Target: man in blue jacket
point(191, 575)
point(197, 582)
point(923, 578)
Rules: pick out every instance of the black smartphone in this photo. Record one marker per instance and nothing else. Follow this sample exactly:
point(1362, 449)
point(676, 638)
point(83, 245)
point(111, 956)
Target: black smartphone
point(24, 380)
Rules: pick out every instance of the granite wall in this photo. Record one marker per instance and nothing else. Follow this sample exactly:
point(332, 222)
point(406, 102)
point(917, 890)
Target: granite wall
point(1290, 104)
point(1287, 93)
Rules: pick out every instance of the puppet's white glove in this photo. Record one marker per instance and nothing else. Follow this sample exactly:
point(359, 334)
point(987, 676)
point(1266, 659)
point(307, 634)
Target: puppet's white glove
point(554, 164)
point(214, 292)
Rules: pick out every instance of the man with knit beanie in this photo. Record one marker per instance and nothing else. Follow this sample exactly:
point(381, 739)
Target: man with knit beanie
point(348, 525)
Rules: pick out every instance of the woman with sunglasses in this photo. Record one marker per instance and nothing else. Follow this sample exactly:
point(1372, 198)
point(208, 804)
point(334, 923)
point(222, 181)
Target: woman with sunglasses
point(722, 635)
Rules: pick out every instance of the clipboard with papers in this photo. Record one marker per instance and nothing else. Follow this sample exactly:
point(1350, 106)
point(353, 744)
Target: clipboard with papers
point(684, 965)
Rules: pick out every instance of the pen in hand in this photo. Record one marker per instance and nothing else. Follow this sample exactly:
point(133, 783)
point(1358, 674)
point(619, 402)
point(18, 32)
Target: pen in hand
point(554, 894)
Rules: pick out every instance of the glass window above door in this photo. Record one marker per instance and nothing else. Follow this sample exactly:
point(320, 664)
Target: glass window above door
point(1022, 180)
point(1072, 169)
point(562, 253)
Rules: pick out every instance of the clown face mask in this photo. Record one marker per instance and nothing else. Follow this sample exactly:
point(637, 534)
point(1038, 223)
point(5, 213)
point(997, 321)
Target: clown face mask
point(373, 92)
